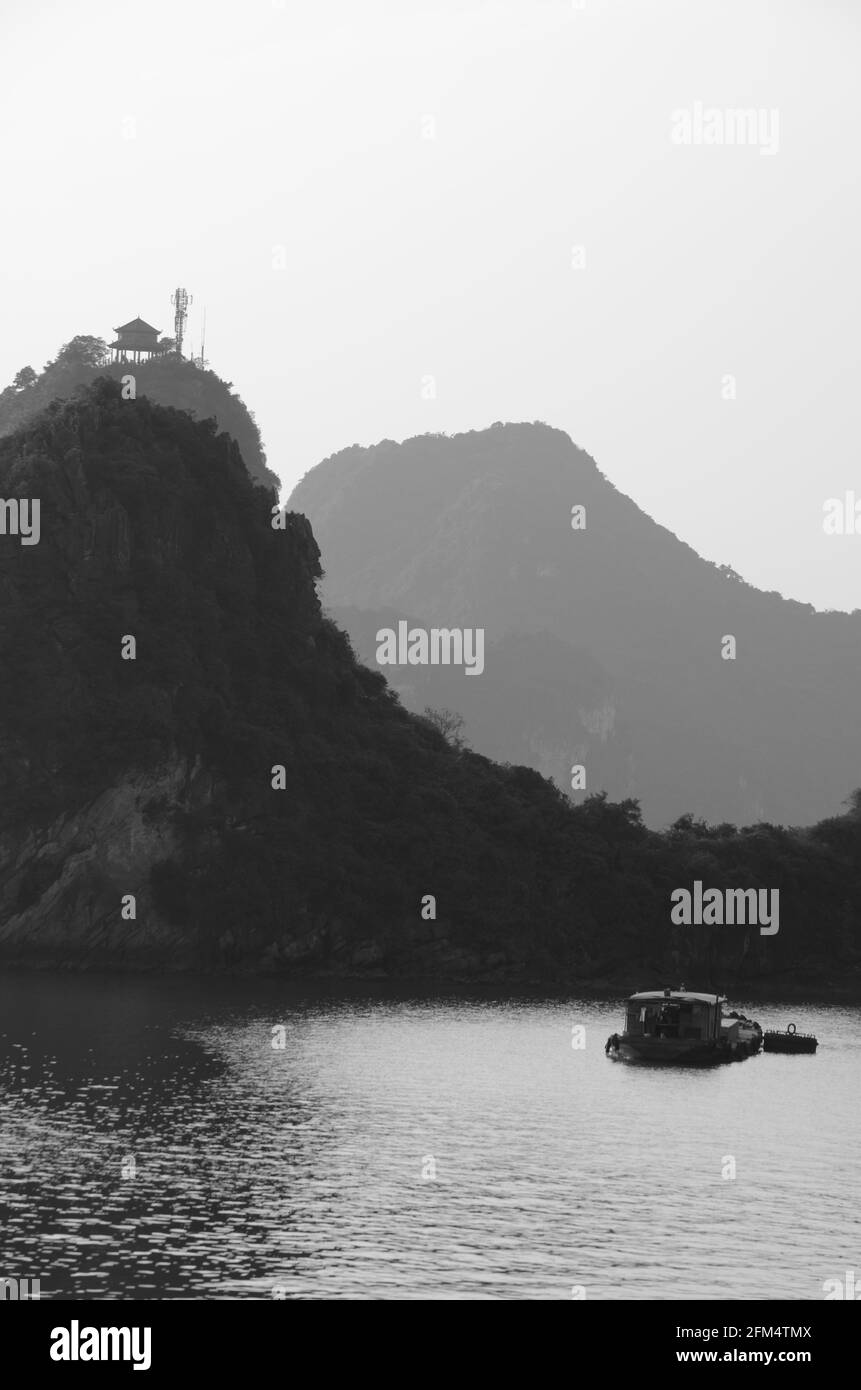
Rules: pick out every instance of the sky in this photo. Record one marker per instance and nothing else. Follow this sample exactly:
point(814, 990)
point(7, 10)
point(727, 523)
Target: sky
point(404, 216)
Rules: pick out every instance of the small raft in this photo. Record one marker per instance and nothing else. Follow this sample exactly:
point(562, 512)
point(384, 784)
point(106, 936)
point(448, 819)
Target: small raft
point(790, 1041)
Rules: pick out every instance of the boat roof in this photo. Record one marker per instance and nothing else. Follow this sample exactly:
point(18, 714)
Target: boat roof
point(655, 994)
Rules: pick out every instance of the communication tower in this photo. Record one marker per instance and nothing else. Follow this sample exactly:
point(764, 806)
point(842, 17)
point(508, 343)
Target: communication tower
point(180, 299)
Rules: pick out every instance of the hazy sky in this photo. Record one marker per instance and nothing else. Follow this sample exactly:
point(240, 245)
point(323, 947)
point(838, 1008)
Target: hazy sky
point(427, 169)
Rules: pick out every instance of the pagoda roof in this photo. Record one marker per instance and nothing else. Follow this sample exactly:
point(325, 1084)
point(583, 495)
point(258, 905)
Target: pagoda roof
point(136, 326)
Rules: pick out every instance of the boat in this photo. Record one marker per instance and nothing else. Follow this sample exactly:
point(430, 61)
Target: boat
point(682, 1028)
point(790, 1041)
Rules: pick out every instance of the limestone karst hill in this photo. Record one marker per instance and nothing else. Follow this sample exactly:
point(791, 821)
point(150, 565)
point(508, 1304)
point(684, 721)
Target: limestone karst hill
point(169, 380)
point(628, 677)
point(144, 819)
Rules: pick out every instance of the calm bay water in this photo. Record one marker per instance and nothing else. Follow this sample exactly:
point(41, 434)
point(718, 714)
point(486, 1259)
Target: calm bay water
point(409, 1147)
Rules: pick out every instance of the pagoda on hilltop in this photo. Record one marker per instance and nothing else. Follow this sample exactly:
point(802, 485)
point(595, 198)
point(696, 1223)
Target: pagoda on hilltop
point(135, 342)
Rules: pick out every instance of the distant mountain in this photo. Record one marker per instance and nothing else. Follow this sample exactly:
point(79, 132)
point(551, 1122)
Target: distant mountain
point(169, 380)
point(237, 791)
point(607, 640)
point(538, 702)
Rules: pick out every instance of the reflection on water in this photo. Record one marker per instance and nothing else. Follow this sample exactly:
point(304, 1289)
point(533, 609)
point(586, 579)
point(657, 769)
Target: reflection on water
point(155, 1143)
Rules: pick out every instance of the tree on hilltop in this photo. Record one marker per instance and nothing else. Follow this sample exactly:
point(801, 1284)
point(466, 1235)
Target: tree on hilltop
point(82, 350)
point(449, 723)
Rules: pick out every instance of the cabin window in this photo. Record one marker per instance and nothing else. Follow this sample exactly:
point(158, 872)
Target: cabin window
point(667, 1021)
point(690, 1022)
point(670, 1018)
point(659, 1020)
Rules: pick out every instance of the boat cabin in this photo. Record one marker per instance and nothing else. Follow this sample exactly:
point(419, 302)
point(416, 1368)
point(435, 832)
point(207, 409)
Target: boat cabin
point(674, 1014)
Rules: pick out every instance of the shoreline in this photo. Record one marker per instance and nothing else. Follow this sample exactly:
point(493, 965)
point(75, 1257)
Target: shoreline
point(762, 990)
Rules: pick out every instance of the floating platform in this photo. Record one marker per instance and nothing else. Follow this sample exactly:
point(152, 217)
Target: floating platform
point(790, 1041)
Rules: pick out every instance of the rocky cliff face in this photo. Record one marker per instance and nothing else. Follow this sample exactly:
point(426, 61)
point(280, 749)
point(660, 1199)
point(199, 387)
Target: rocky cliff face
point(63, 880)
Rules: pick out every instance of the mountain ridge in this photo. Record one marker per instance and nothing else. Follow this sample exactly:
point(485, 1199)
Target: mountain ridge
point(475, 529)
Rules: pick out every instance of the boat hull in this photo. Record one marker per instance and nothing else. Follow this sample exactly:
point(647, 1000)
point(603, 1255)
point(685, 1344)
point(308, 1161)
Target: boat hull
point(676, 1052)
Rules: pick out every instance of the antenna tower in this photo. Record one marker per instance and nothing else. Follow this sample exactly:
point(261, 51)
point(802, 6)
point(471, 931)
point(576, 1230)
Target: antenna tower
point(180, 299)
